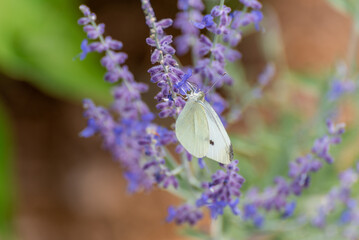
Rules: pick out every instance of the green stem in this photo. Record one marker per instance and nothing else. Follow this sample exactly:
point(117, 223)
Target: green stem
point(216, 36)
point(154, 36)
point(191, 178)
point(216, 228)
point(215, 41)
point(353, 47)
point(170, 158)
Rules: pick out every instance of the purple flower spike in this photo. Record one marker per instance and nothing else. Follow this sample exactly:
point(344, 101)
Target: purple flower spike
point(346, 217)
point(256, 18)
point(339, 88)
point(94, 32)
point(205, 45)
point(222, 191)
point(84, 21)
point(289, 209)
point(348, 177)
point(131, 136)
point(91, 128)
point(164, 23)
point(206, 22)
point(266, 75)
point(136, 180)
point(322, 145)
point(85, 10)
point(185, 4)
point(250, 213)
point(184, 214)
point(166, 74)
point(112, 60)
point(85, 49)
point(107, 44)
point(183, 86)
point(241, 19)
point(233, 206)
point(201, 163)
point(258, 221)
point(156, 168)
point(300, 171)
point(250, 210)
point(251, 4)
point(139, 145)
point(186, 20)
point(338, 197)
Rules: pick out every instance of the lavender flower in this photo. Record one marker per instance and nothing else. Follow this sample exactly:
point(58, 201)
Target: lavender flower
point(210, 56)
point(184, 214)
point(340, 196)
point(250, 213)
point(190, 13)
point(212, 68)
point(266, 75)
point(272, 198)
point(251, 4)
point(339, 88)
point(289, 209)
point(161, 173)
point(139, 145)
point(133, 139)
point(167, 74)
point(341, 84)
point(224, 190)
point(263, 79)
point(300, 169)
point(276, 197)
point(321, 146)
point(112, 60)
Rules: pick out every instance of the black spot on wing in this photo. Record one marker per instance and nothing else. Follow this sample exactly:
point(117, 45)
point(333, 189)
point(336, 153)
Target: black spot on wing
point(211, 142)
point(230, 153)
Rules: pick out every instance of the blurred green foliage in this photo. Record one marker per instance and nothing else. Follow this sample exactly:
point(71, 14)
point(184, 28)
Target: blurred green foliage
point(350, 7)
point(39, 42)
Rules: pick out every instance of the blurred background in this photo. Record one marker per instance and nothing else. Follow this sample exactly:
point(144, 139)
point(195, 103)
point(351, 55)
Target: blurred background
point(56, 185)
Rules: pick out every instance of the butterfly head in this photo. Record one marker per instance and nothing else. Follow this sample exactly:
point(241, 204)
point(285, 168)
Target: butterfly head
point(197, 95)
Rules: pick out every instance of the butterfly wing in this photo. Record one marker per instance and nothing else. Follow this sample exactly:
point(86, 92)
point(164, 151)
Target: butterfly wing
point(192, 129)
point(220, 147)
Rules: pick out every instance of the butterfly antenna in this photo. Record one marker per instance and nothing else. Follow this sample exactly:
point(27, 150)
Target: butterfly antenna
point(214, 84)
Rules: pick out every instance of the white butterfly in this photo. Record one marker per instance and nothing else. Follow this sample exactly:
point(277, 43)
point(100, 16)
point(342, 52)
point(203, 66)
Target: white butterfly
point(201, 132)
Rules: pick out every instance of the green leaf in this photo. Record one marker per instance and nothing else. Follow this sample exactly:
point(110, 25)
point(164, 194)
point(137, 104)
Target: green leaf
point(6, 176)
point(39, 42)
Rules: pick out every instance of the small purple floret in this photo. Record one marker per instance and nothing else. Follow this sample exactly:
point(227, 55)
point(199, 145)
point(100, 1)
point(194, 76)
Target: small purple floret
point(251, 4)
point(222, 191)
point(184, 214)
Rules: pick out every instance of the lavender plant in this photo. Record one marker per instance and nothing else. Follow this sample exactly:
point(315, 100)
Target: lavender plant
point(130, 132)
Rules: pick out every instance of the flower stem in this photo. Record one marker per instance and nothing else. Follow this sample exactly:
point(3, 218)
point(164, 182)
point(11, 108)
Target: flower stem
point(154, 36)
point(216, 228)
point(170, 158)
point(216, 36)
point(214, 43)
point(191, 178)
point(352, 47)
